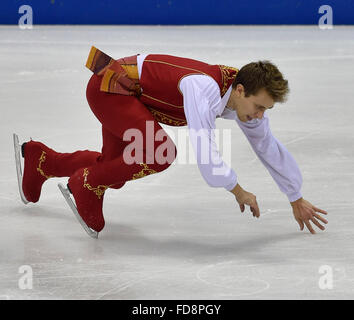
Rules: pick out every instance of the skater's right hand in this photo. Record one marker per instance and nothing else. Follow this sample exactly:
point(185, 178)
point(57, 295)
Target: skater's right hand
point(246, 198)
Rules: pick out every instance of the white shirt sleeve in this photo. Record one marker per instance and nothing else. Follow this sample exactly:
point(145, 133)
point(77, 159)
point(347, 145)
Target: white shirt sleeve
point(202, 104)
point(275, 157)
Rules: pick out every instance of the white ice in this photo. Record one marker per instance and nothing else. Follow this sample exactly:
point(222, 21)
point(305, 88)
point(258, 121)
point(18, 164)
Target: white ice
point(171, 236)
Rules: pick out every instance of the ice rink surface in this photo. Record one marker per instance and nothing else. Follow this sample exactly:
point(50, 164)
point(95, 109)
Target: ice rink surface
point(171, 236)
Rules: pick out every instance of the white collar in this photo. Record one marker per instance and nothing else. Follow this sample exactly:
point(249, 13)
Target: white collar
point(226, 97)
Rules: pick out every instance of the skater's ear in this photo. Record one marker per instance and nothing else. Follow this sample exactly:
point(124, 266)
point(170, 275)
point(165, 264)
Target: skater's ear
point(240, 90)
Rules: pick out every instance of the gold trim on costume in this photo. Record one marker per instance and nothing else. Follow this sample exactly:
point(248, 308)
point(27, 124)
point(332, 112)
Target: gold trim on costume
point(99, 190)
point(119, 76)
point(42, 159)
point(131, 70)
point(91, 57)
point(106, 80)
point(144, 172)
point(98, 62)
point(167, 119)
point(226, 77)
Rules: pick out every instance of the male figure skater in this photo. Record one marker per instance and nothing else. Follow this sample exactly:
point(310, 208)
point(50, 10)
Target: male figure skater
point(141, 91)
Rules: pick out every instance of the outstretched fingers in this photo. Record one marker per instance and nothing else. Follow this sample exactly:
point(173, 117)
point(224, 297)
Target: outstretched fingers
point(315, 219)
point(315, 222)
point(301, 224)
point(310, 216)
point(309, 227)
point(255, 210)
point(320, 210)
point(317, 216)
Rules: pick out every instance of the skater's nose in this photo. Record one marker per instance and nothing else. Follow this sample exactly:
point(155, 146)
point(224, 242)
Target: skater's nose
point(259, 114)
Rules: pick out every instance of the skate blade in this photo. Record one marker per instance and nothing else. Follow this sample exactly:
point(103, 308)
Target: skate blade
point(17, 149)
point(66, 194)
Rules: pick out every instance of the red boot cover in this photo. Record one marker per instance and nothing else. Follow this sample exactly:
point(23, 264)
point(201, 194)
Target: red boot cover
point(38, 167)
point(88, 198)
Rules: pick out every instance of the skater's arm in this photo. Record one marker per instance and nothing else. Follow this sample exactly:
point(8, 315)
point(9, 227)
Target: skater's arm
point(275, 157)
point(201, 98)
point(202, 104)
point(283, 169)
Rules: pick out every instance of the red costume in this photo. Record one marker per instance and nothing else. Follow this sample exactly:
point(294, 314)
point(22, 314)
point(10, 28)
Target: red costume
point(120, 101)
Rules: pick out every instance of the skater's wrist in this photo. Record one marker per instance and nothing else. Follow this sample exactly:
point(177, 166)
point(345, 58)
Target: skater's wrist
point(296, 202)
point(237, 190)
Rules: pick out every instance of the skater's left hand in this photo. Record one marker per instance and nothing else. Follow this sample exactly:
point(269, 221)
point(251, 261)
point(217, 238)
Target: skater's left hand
point(305, 212)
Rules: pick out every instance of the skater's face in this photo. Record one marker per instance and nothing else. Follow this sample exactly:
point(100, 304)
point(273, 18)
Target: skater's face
point(250, 107)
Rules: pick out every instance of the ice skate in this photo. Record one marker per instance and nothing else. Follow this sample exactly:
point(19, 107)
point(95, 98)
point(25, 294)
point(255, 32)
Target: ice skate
point(66, 193)
point(38, 163)
point(88, 201)
point(18, 154)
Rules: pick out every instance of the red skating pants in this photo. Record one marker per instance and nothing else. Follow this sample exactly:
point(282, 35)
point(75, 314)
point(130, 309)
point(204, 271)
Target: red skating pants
point(117, 114)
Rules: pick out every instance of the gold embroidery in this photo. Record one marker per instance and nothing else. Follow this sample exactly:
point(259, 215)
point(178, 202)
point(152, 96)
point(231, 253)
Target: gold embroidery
point(42, 158)
point(227, 73)
point(167, 119)
point(99, 190)
point(144, 172)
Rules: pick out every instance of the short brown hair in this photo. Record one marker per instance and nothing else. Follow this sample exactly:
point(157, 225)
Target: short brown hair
point(263, 74)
